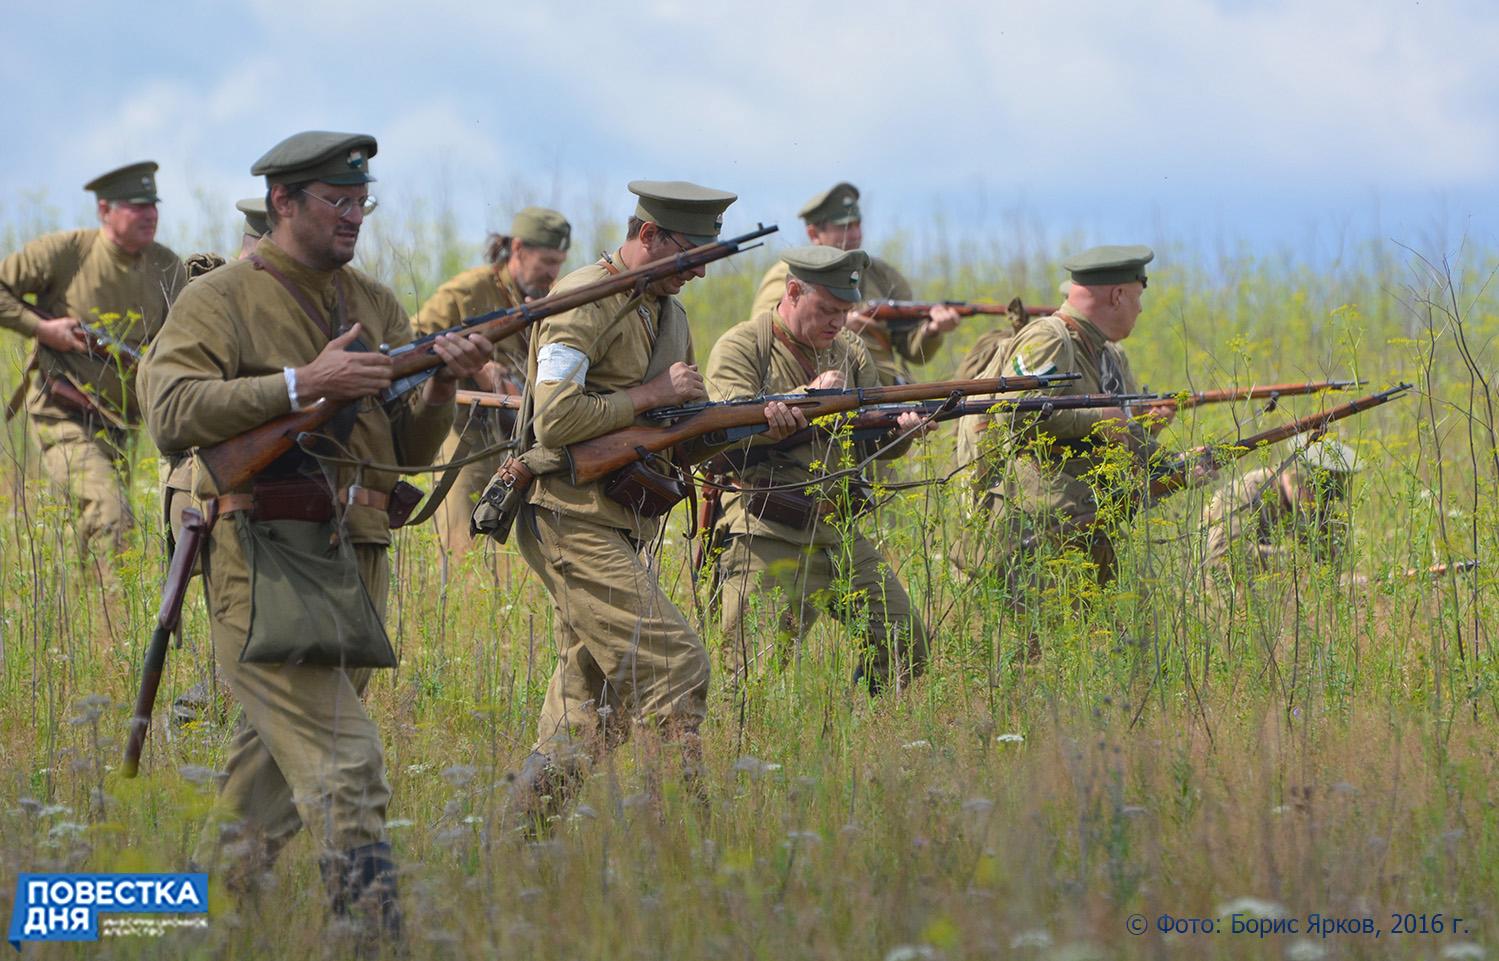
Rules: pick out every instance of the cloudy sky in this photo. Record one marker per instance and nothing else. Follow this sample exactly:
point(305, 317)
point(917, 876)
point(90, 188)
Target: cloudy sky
point(1299, 126)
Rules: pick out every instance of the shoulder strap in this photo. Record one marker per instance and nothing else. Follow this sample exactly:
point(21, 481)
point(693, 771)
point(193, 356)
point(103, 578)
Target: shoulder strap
point(807, 364)
point(303, 301)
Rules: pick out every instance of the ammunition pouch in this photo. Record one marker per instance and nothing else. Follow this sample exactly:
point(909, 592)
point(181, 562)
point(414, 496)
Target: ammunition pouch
point(502, 499)
point(802, 512)
point(646, 491)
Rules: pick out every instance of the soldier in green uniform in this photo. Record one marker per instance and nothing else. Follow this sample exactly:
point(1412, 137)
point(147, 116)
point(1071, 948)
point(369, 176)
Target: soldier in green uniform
point(1258, 519)
point(523, 266)
point(833, 220)
point(625, 651)
point(1038, 475)
point(296, 564)
point(796, 551)
point(81, 403)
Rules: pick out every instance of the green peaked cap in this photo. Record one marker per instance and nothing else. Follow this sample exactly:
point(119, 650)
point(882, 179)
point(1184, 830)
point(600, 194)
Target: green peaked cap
point(683, 208)
point(1111, 264)
point(837, 205)
point(837, 270)
point(256, 224)
point(134, 183)
point(340, 159)
point(540, 227)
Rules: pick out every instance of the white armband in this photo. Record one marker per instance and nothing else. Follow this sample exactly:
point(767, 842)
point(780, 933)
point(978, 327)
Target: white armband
point(290, 374)
point(558, 362)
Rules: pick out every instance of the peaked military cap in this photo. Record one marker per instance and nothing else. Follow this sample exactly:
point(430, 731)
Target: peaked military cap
point(837, 270)
point(135, 184)
point(540, 227)
point(340, 159)
point(1329, 455)
point(683, 208)
point(1111, 264)
point(256, 224)
point(837, 205)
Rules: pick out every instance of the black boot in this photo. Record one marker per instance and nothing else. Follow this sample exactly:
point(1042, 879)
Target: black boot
point(362, 892)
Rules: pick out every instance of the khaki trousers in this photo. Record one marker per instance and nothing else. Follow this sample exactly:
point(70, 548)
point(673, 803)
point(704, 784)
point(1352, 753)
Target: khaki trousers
point(306, 752)
point(622, 643)
point(773, 590)
point(84, 461)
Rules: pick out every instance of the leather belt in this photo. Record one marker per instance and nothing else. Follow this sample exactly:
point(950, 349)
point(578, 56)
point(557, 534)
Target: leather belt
point(297, 499)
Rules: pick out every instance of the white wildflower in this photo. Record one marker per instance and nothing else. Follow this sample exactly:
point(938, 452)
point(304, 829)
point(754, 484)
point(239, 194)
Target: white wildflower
point(1010, 739)
point(1304, 950)
point(1253, 907)
point(915, 745)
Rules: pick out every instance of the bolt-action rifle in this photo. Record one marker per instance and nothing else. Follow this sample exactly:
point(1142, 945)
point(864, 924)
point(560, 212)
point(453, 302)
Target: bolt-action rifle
point(1270, 392)
point(726, 422)
point(1180, 471)
point(901, 315)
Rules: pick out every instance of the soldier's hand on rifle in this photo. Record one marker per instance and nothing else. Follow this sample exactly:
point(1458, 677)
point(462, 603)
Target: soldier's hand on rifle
point(942, 319)
point(911, 420)
point(489, 377)
point(340, 374)
point(62, 334)
point(463, 356)
point(679, 384)
point(783, 420)
point(1156, 417)
point(858, 323)
point(828, 380)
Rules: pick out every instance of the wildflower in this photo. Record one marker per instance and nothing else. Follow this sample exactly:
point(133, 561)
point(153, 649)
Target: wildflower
point(1254, 907)
point(1304, 950)
point(1010, 739)
point(460, 774)
point(418, 768)
point(398, 823)
point(911, 952)
point(914, 745)
point(1032, 938)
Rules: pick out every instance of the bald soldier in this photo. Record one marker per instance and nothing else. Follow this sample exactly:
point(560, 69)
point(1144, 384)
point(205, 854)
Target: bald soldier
point(833, 220)
point(523, 265)
point(791, 552)
point(625, 651)
point(1258, 519)
point(1049, 482)
point(115, 278)
point(296, 574)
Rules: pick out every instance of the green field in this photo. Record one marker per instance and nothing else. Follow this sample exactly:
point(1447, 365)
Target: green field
point(1304, 745)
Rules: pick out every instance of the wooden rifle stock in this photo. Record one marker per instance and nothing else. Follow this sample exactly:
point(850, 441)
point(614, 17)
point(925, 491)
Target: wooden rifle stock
point(231, 463)
point(195, 528)
point(484, 398)
point(591, 460)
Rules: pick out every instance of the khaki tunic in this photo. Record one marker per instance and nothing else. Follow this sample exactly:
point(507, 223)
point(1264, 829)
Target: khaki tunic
point(1252, 522)
point(784, 573)
point(308, 753)
point(481, 290)
point(621, 640)
point(890, 352)
point(1035, 473)
point(83, 274)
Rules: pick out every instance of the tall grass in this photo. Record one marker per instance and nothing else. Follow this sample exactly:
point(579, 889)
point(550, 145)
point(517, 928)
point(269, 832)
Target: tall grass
point(1184, 742)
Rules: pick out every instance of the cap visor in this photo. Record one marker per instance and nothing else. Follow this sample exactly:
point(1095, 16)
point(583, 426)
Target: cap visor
point(347, 180)
point(850, 294)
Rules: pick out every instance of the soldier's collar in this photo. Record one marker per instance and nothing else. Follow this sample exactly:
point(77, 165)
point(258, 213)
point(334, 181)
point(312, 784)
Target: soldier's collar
point(117, 252)
point(320, 281)
point(1082, 324)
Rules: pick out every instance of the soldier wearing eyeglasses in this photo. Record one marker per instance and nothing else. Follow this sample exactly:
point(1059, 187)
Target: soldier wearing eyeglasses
point(118, 280)
point(290, 326)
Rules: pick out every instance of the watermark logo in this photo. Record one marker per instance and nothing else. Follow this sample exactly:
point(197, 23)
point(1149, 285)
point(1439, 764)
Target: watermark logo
point(66, 907)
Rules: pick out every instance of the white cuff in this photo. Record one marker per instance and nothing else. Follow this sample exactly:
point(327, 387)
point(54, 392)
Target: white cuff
point(290, 374)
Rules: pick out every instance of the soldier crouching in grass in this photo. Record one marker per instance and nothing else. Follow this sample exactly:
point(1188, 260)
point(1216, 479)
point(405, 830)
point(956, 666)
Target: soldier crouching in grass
point(296, 573)
point(625, 651)
point(794, 550)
